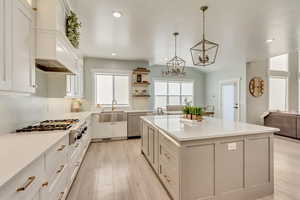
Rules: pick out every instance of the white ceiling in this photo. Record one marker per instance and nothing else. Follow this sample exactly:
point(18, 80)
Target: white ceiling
point(145, 31)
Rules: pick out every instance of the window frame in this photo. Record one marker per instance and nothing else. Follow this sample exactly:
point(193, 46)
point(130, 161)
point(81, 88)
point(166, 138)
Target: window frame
point(168, 96)
point(113, 74)
point(280, 75)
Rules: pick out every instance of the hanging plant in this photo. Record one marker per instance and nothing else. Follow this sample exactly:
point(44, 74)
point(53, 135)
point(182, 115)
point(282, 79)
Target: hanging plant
point(73, 26)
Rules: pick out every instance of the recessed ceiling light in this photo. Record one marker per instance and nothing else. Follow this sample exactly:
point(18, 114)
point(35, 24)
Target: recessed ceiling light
point(270, 40)
point(113, 54)
point(117, 14)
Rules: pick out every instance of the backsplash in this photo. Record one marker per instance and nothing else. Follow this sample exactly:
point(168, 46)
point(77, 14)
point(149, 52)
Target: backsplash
point(17, 111)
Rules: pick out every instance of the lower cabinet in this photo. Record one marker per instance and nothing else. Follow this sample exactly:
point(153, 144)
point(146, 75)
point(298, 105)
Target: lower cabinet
point(26, 185)
point(150, 144)
point(50, 176)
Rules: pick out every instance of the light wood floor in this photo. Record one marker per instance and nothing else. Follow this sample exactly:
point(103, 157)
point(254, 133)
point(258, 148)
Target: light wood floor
point(117, 171)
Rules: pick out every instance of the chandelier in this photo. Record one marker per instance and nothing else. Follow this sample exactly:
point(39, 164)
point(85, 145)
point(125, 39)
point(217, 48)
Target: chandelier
point(175, 66)
point(204, 53)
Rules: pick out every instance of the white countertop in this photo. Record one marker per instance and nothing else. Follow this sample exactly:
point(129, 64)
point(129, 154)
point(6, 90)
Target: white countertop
point(17, 151)
point(186, 130)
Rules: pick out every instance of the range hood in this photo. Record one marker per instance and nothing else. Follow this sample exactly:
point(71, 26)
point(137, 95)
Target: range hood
point(51, 66)
point(55, 53)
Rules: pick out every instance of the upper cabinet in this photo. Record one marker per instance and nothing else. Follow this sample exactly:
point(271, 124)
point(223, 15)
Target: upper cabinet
point(23, 64)
point(75, 82)
point(54, 50)
point(5, 48)
point(17, 66)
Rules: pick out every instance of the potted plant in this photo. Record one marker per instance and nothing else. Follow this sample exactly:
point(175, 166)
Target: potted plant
point(199, 114)
point(186, 112)
point(194, 113)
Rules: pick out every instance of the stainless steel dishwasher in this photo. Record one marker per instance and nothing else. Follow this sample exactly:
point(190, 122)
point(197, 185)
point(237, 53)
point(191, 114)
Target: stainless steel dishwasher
point(134, 122)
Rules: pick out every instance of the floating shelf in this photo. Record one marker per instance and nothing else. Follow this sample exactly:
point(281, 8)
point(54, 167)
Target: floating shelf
point(142, 83)
point(141, 72)
point(141, 95)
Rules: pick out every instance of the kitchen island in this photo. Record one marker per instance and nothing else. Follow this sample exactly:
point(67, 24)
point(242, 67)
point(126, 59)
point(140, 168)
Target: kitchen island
point(209, 160)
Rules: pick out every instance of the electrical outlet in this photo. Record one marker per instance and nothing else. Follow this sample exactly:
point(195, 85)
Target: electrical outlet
point(231, 146)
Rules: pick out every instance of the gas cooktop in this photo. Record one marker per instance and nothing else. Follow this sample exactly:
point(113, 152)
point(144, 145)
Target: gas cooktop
point(50, 125)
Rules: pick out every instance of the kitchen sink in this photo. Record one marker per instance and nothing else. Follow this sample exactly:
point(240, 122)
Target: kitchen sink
point(112, 116)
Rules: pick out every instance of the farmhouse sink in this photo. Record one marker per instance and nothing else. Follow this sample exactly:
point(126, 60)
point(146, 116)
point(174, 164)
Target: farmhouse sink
point(112, 116)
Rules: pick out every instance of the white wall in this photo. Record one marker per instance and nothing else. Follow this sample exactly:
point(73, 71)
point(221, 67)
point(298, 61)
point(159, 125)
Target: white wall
point(236, 71)
point(257, 105)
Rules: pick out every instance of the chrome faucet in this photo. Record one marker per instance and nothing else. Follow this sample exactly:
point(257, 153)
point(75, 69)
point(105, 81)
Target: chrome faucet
point(113, 103)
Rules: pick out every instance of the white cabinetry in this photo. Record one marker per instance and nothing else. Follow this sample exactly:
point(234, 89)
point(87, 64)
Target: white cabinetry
point(74, 88)
point(17, 67)
point(51, 175)
point(5, 47)
point(53, 47)
point(23, 47)
point(25, 186)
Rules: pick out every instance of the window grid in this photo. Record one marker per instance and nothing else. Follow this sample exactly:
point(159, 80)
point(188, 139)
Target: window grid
point(180, 95)
point(113, 88)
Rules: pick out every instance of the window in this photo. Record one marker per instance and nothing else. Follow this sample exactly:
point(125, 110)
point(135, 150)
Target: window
point(172, 93)
point(279, 63)
point(278, 83)
point(111, 87)
point(278, 93)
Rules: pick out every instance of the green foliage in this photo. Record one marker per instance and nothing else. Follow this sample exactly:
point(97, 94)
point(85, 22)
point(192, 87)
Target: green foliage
point(73, 29)
point(193, 110)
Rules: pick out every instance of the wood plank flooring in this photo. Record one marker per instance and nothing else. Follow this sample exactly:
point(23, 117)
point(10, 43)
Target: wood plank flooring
point(117, 171)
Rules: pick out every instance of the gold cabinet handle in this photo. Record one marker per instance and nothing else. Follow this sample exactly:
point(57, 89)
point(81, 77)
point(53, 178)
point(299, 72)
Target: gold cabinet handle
point(61, 148)
point(60, 169)
point(61, 196)
point(45, 184)
point(27, 184)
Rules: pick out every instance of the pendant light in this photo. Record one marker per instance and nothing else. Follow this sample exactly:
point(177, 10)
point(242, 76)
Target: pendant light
point(175, 66)
point(204, 53)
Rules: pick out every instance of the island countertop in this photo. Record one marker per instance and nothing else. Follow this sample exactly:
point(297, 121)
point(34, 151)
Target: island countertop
point(186, 130)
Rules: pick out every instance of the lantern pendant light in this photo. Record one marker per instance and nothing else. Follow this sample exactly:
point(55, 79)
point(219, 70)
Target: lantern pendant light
point(204, 53)
point(175, 66)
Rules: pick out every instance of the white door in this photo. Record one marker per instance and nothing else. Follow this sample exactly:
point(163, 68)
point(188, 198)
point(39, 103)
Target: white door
point(229, 100)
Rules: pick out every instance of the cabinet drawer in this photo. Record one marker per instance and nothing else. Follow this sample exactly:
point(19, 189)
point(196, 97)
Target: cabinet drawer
point(170, 177)
point(26, 184)
point(168, 145)
point(56, 191)
point(167, 156)
point(56, 156)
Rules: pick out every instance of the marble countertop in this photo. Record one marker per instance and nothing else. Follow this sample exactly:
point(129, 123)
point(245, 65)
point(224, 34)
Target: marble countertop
point(185, 130)
point(17, 151)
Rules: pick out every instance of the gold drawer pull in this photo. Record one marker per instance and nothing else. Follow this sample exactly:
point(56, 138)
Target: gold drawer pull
point(45, 184)
point(61, 148)
point(27, 184)
point(61, 196)
point(60, 169)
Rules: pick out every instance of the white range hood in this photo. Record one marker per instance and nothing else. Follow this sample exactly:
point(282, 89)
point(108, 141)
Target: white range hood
point(54, 51)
